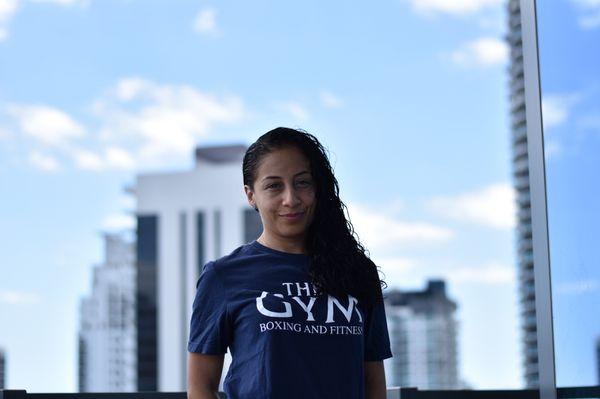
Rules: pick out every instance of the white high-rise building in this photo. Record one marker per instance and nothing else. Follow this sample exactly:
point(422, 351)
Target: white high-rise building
point(184, 219)
point(423, 337)
point(107, 335)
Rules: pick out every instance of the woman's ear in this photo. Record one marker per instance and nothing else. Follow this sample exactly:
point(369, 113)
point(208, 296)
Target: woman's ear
point(250, 196)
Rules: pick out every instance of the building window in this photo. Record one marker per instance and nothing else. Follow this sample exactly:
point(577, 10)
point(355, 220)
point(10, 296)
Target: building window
point(146, 317)
point(200, 241)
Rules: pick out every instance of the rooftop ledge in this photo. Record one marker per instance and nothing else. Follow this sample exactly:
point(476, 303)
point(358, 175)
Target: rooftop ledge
point(392, 393)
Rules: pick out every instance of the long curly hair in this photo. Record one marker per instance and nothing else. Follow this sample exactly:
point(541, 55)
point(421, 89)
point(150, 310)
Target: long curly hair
point(339, 264)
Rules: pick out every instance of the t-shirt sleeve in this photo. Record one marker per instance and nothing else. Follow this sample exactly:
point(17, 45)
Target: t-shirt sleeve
point(210, 327)
point(377, 340)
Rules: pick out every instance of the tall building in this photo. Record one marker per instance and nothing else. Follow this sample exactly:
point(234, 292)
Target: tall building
point(184, 219)
point(2, 369)
point(520, 161)
point(107, 335)
point(423, 336)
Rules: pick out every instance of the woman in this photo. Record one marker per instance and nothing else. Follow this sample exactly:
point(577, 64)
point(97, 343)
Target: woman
point(300, 308)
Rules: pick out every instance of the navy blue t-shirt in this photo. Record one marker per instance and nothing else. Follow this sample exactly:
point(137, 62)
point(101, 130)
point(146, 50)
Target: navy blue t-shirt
point(285, 341)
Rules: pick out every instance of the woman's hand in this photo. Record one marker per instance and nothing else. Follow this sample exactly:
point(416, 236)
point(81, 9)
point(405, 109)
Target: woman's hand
point(204, 375)
point(375, 387)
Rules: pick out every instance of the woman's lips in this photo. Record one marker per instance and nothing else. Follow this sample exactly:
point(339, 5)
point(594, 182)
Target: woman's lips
point(292, 216)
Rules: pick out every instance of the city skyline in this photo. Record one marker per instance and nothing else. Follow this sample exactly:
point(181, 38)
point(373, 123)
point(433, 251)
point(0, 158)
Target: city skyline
point(410, 97)
point(112, 97)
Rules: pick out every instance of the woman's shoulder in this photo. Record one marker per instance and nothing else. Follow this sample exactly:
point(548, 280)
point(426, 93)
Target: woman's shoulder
point(240, 254)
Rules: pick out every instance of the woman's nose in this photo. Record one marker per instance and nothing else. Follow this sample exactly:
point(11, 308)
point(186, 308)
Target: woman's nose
point(290, 197)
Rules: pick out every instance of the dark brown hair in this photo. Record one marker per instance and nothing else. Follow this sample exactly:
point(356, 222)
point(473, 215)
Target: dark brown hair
point(338, 263)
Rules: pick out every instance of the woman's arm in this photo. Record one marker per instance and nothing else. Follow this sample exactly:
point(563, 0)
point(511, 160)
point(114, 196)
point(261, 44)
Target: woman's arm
point(375, 387)
point(204, 375)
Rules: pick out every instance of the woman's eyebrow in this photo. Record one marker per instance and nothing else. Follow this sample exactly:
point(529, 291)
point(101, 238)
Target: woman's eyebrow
point(279, 177)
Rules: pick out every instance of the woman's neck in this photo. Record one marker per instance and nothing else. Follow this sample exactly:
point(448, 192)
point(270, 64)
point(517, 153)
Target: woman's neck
point(294, 246)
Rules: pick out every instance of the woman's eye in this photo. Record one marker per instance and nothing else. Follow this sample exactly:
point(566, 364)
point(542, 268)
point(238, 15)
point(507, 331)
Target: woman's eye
point(304, 183)
point(273, 186)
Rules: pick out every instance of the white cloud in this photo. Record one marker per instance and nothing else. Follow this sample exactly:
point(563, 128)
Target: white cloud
point(554, 112)
point(206, 21)
point(118, 222)
point(381, 233)
point(129, 88)
point(111, 158)
point(330, 100)
point(127, 201)
point(577, 287)
point(63, 3)
point(396, 263)
point(295, 109)
point(590, 21)
point(48, 125)
point(18, 298)
point(397, 270)
point(488, 273)
point(494, 21)
point(7, 11)
point(44, 162)
point(589, 17)
point(587, 3)
point(453, 7)
point(162, 120)
point(135, 123)
point(482, 52)
point(556, 108)
point(409, 272)
point(119, 158)
point(392, 207)
point(87, 160)
point(552, 148)
point(491, 206)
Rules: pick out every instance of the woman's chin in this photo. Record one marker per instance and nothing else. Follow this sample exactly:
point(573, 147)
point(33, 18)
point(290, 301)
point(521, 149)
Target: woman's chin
point(293, 233)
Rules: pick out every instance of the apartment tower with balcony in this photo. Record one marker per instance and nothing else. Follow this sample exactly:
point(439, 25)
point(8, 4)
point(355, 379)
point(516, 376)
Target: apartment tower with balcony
point(520, 161)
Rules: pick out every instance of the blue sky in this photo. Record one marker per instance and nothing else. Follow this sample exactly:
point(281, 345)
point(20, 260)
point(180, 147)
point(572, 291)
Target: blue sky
point(571, 106)
point(410, 96)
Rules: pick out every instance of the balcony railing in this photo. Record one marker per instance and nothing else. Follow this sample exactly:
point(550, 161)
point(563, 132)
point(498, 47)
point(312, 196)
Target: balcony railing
point(392, 393)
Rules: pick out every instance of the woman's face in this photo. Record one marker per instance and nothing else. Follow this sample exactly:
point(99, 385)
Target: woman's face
point(284, 192)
